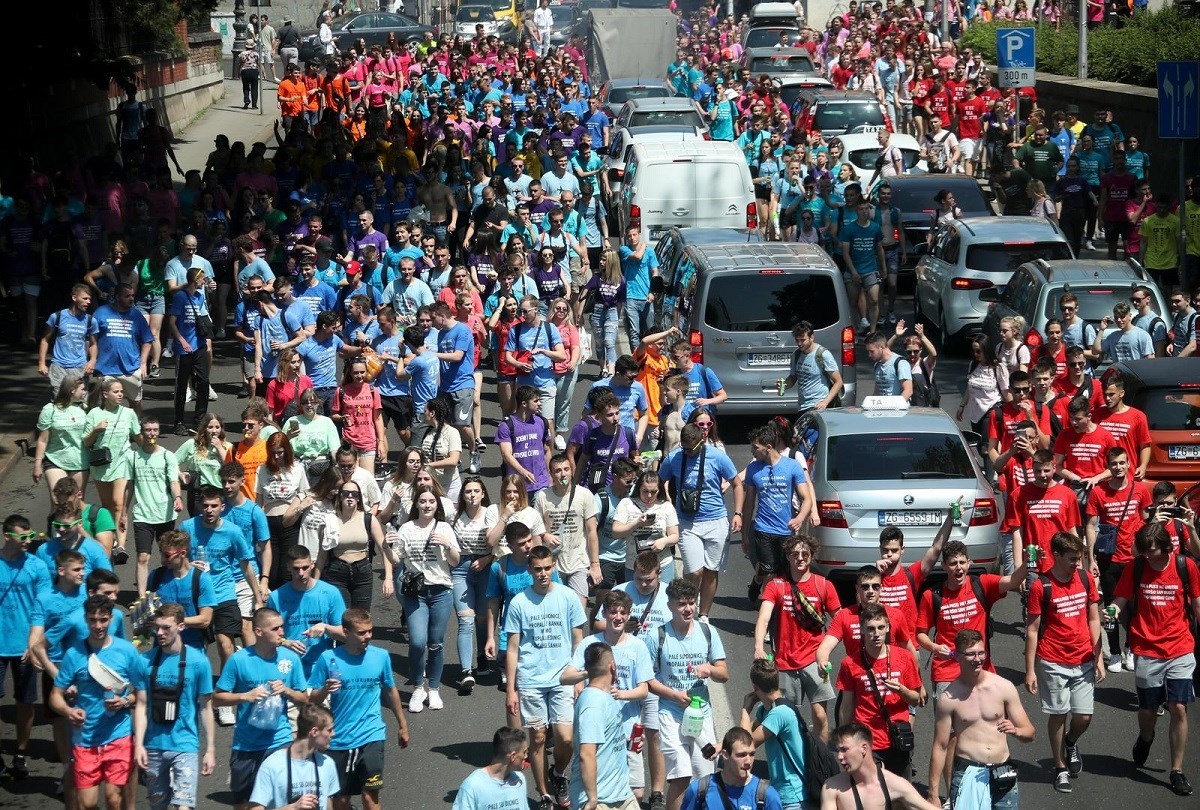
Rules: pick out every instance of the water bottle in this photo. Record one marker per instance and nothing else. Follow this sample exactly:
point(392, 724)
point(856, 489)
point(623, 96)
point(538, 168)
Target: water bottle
point(825, 670)
point(638, 738)
point(333, 671)
point(781, 386)
point(693, 718)
point(202, 558)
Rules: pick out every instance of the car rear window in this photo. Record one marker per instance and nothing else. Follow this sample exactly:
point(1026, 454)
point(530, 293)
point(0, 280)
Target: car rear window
point(867, 157)
point(896, 456)
point(650, 118)
point(779, 301)
point(619, 95)
point(844, 117)
point(798, 63)
point(1171, 407)
point(1094, 302)
point(1006, 258)
point(766, 37)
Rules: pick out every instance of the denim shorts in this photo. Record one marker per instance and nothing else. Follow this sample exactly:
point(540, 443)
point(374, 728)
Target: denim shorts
point(171, 778)
point(553, 704)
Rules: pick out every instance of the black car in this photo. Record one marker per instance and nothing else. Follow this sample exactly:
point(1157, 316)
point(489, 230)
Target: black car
point(913, 194)
point(372, 26)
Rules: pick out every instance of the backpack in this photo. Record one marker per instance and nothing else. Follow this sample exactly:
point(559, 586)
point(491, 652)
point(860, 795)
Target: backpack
point(819, 762)
point(924, 391)
point(760, 793)
point(159, 576)
point(977, 589)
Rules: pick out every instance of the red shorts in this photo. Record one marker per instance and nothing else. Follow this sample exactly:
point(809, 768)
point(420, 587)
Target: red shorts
point(111, 763)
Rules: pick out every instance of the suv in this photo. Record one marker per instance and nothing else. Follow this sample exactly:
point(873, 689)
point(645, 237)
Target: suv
point(835, 112)
point(738, 302)
point(1167, 390)
point(680, 113)
point(972, 254)
point(886, 464)
point(1036, 287)
point(914, 195)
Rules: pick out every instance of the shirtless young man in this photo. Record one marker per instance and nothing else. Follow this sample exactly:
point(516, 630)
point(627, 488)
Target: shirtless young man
point(862, 784)
point(981, 709)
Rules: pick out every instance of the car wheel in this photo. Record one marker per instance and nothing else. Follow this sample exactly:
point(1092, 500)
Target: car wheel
point(951, 343)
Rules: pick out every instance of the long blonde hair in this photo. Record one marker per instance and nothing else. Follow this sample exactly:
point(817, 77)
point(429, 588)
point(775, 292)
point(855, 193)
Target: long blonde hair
point(610, 262)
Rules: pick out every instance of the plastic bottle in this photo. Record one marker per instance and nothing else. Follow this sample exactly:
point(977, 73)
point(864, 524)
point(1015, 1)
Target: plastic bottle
point(825, 670)
point(638, 738)
point(333, 671)
point(693, 718)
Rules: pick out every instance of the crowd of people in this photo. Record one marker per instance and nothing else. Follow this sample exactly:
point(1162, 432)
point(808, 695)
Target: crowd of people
point(431, 233)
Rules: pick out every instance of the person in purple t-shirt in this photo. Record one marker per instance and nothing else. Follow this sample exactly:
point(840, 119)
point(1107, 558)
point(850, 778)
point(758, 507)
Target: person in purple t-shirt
point(369, 236)
point(605, 443)
point(525, 440)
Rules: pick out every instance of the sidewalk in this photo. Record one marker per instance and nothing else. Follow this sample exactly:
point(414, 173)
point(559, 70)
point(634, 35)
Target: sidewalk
point(25, 392)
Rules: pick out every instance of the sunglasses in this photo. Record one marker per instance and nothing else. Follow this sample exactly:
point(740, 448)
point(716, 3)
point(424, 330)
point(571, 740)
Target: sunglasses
point(60, 525)
point(21, 537)
point(1077, 365)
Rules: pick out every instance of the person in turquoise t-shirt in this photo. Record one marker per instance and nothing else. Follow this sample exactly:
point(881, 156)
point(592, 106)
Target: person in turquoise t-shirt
point(311, 608)
point(599, 769)
point(774, 723)
point(166, 722)
point(862, 251)
point(499, 785)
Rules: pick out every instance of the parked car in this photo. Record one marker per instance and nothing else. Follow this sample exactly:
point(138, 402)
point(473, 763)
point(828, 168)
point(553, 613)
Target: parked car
point(1167, 390)
point(835, 112)
point(914, 195)
point(738, 302)
point(861, 150)
point(886, 464)
point(1037, 287)
point(970, 255)
point(469, 18)
point(615, 92)
point(372, 26)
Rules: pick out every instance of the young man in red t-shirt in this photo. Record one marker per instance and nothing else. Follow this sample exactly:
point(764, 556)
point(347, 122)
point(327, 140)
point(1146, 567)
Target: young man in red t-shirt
point(1114, 514)
point(969, 111)
point(1013, 471)
point(1002, 421)
point(1076, 381)
point(1080, 450)
point(1177, 518)
point(1161, 640)
point(1127, 424)
point(846, 626)
point(900, 584)
point(1043, 508)
point(894, 682)
point(803, 600)
point(1063, 655)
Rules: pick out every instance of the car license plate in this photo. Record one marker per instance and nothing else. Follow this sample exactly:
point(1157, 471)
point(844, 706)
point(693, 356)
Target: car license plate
point(1183, 452)
point(780, 359)
point(872, 128)
point(930, 517)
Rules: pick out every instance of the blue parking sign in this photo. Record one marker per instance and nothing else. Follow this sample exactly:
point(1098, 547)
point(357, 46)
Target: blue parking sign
point(1016, 56)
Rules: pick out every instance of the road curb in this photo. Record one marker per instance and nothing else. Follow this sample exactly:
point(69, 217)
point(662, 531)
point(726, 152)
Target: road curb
point(12, 442)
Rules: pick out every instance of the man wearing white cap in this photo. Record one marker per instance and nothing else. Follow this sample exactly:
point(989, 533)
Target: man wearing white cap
point(723, 117)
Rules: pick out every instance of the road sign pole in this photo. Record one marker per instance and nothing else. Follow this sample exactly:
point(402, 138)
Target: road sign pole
point(1083, 43)
point(1182, 224)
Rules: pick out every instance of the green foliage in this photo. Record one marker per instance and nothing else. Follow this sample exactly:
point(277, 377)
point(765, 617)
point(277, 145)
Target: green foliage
point(1126, 55)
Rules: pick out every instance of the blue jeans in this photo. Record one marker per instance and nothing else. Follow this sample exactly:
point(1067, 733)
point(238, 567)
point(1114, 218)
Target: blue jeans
point(564, 385)
point(470, 602)
point(428, 615)
point(604, 328)
point(639, 319)
point(1009, 801)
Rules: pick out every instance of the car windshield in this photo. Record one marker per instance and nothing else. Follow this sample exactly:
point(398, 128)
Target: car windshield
point(780, 301)
point(1094, 302)
point(500, 5)
point(473, 14)
point(562, 15)
point(897, 456)
point(846, 116)
point(619, 95)
point(639, 4)
point(798, 63)
point(652, 118)
point(766, 37)
point(1171, 407)
point(866, 158)
point(917, 198)
point(1006, 258)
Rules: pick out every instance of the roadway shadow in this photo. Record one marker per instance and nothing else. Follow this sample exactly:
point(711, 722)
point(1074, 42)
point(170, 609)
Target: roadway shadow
point(1116, 697)
point(1119, 767)
point(733, 626)
point(475, 753)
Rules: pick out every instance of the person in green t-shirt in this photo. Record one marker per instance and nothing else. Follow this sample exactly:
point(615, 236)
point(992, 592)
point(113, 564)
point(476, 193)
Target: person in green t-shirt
point(1160, 241)
point(98, 522)
point(1041, 157)
point(157, 498)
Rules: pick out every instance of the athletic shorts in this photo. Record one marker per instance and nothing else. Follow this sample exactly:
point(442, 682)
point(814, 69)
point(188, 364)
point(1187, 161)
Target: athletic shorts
point(799, 685)
point(612, 574)
point(550, 705)
point(243, 768)
point(704, 544)
point(1160, 680)
point(24, 679)
point(398, 410)
point(111, 763)
point(132, 384)
point(766, 550)
point(464, 403)
point(245, 598)
point(684, 755)
point(1065, 689)
point(360, 768)
point(969, 148)
point(145, 535)
point(227, 619)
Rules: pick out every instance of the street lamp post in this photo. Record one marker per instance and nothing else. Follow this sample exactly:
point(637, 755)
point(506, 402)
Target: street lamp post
point(1083, 42)
point(239, 25)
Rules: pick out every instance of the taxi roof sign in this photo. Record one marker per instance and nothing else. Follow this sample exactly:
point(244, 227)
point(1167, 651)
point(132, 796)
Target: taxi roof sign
point(881, 403)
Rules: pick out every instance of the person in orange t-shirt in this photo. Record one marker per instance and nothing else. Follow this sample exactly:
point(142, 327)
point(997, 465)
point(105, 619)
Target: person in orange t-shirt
point(335, 91)
point(292, 94)
point(653, 366)
point(312, 94)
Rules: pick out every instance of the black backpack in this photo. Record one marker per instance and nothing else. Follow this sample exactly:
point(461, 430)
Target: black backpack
point(819, 762)
point(977, 589)
point(159, 576)
point(1047, 582)
point(760, 793)
point(924, 391)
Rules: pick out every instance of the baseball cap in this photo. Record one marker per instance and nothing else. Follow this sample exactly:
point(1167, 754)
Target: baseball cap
point(353, 268)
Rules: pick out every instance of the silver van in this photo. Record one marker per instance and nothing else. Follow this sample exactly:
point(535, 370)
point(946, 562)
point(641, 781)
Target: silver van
point(737, 305)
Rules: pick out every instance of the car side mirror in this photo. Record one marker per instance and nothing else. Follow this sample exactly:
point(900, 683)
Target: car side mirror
point(990, 295)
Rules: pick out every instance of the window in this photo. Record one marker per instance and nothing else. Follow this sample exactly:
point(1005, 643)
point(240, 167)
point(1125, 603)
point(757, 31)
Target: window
point(950, 248)
point(898, 457)
point(1005, 259)
point(1171, 407)
point(619, 95)
point(846, 116)
point(779, 301)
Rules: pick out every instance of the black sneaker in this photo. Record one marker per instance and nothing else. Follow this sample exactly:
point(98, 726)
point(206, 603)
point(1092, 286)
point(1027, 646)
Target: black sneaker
point(467, 683)
point(1180, 784)
point(1141, 751)
point(562, 789)
point(1074, 761)
point(658, 801)
point(1062, 781)
point(119, 555)
point(545, 803)
point(182, 430)
point(19, 768)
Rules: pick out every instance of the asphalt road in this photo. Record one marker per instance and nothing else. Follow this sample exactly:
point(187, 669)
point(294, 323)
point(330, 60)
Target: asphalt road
point(447, 744)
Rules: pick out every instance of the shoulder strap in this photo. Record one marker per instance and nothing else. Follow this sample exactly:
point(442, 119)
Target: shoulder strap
point(1139, 568)
point(977, 589)
point(912, 581)
point(662, 640)
point(1047, 582)
point(702, 792)
point(760, 794)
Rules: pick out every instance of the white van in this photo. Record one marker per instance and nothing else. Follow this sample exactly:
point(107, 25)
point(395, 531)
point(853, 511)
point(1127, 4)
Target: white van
point(691, 183)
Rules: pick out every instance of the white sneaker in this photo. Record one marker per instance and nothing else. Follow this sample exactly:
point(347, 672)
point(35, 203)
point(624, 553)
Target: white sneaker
point(473, 467)
point(212, 395)
point(864, 325)
point(1113, 663)
point(190, 396)
point(1127, 661)
point(168, 352)
point(417, 702)
point(1088, 245)
point(435, 700)
point(226, 716)
point(560, 443)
